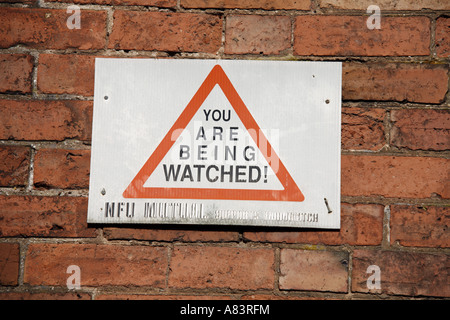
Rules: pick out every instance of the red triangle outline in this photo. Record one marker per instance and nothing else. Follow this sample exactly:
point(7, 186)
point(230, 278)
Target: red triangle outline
point(136, 188)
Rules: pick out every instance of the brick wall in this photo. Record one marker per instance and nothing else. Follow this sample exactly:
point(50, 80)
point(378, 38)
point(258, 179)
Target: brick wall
point(395, 152)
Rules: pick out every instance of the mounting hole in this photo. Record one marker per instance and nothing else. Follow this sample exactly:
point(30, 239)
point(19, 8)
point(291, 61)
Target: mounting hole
point(327, 101)
point(106, 97)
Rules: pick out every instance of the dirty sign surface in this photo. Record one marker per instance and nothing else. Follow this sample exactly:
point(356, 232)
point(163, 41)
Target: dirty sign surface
point(216, 142)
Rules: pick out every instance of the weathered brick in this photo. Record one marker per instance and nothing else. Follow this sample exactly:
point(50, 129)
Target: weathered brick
point(37, 216)
point(398, 82)
point(45, 120)
point(47, 29)
point(362, 129)
point(160, 297)
point(44, 296)
point(163, 31)
point(329, 35)
point(390, 176)
point(442, 39)
point(248, 4)
point(313, 270)
point(361, 224)
point(278, 297)
point(100, 265)
point(106, 2)
point(155, 3)
point(9, 264)
point(62, 168)
point(402, 272)
point(257, 34)
point(386, 4)
point(70, 74)
point(420, 226)
point(14, 165)
point(18, 1)
point(170, 235)
point(222, 267)
point(16, 73)
point(420, 129)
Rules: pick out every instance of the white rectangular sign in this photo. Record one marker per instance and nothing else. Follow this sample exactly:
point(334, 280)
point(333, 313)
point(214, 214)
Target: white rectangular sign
point(221, 142)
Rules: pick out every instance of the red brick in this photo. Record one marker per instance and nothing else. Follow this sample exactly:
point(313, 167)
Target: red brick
point(100, 265)
point(107, 2)
point(361, 224)
point(248, 4)
point(170, 235)
point(313, 270)
point(403, 272)
point(14, 165)
point(386, 4)
point(37, 216)
point(421, 129)
point(47, 29)
point(222, 267)
point(398, 82)
point(279, 297)
point(44, 296)
point(389, 176)
point(164, 31)
point(153, 3)
point(257, 34)
point(442, 39)
point(362, 129)
point(9, 264)
point(329, 36)
point(18, 1)
point(420, 226)
point(45, 120)
point(16, 73)
point(62, 168)
point(70, 74)
point(159, 297)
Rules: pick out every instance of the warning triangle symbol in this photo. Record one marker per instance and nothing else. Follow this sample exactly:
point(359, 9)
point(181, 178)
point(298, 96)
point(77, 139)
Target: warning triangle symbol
point(288, 192)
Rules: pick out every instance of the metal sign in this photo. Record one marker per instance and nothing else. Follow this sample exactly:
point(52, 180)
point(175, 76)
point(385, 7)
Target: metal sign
point(216, 142)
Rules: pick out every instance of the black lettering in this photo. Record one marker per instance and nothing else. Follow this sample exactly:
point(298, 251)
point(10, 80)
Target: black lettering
point(229, 115)
point(228, 151)
point(207, 173)
point(201, 152)
point(184, 152)
point(171, 172)
point(207, 114)
point(201, 134)
point(109, 209)
point(130, 213)
point(120, 206)
point(232, 133)
point(239, 173)
point(187, 173)
point(217, 115)
point(215, 152)
point(199, 170)
point(217, 131)
point(252, 153)
point(250, 174)
point(223, 173)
